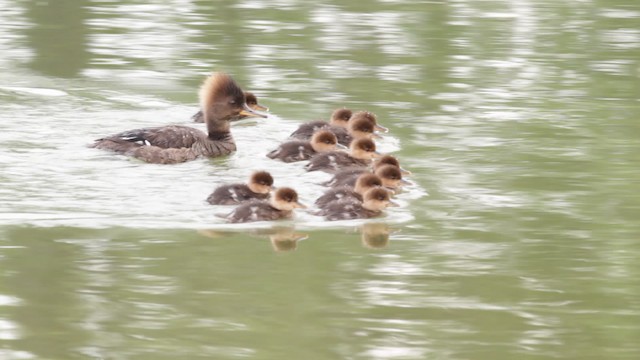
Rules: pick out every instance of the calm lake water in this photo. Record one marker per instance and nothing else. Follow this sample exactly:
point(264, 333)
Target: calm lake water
point(518, 239)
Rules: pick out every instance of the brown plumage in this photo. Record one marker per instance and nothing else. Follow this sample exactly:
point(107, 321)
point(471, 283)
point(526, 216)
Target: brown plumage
point(390, 175)
point(222, 100)
point(363, 183)
point(250, 99)
point(337, 124)
point(280, 206)
point(375, 200)
point(361, 151)
point(258, 187)
point(298, 150)
point(346, 175)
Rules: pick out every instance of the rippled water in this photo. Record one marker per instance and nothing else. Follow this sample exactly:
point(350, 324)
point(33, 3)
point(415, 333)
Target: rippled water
point(518, 238)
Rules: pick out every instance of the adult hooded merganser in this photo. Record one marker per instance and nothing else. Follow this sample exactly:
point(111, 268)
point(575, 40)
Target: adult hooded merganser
point(339, 120)
point(258, 187)
point(280, 206)
point(374, 201)
point(250, 99)
point(347, 174)
point(361, 151)
point(298, 150)
point(364, 182)
point(222, 100)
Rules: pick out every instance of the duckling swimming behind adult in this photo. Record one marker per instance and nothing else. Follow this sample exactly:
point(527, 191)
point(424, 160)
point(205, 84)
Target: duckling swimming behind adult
point(374, 202)
point(361, 151)
point(222, 100)
point(363, 183)
point(250, 99)
point(339, 120)
point(258, 187)
point(298, 150)
point(280, 206)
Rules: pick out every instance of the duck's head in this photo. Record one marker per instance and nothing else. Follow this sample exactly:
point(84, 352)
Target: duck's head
point(221, 99)
point(340, 117)
point(389, 160)
point(391, 176)
point(252, 101)
point(260, 182)
point(323, 140)
point(361, 127)
point(363, 149)
point(377, 199)
point(286, 199)
point(373, 118)
point(367, 181)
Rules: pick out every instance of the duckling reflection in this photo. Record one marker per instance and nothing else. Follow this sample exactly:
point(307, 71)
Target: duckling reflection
point(250, 99)
point(373, 203)
point(259, 185)
point(375, 235)
point(286, 239)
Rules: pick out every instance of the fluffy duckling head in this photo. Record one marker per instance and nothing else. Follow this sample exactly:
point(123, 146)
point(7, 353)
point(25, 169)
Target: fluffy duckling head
point(340, 117)
point(260, 182)
point(367, 181)
point(222, 99)
point(377, 199)
point(361, 127)
point(372, 117)
point(390, 175)
point(252, 101)
point(363, 149)
point(286, 199)
point(323, 140)
point(389, 160)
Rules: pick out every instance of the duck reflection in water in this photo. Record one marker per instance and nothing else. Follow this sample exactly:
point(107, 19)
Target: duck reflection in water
point(375, 235)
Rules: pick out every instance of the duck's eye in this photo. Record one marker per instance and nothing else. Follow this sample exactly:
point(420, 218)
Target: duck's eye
point(232, 102)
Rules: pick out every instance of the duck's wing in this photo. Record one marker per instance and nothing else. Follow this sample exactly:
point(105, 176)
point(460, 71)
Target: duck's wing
point(306, 130)
point(165, 137)
point(291, 151)
point(198, 117)
point(336, 194)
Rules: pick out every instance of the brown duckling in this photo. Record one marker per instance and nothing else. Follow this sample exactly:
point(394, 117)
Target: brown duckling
point(364, 182)
point(373, 118)
point(339, 120)
point(258, 187)
point(361, 151)
point(222, 100)
point(374, 202)
point(298, 150)
point(390, 175)
point(347, 174)
point(250, 99)
point(280, 206)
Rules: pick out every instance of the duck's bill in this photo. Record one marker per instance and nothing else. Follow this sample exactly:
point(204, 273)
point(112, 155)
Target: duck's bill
point(300, 206)
point(249, 112)
point(341, 147)
point(376, 154)
point(259, 107)
point(405, 182)
point(381, 128)
point(405, 171)
point(393, 204)
point(377, 136)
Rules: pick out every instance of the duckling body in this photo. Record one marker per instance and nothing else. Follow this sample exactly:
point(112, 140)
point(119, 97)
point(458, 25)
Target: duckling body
point(361, 151)
point(257, 188)
point(348, 175)
point(337, 125)
point(251, 100)
point(374, 202)
point(363, 183)
point(279, 207)
point(299, 150)
point(223, 100)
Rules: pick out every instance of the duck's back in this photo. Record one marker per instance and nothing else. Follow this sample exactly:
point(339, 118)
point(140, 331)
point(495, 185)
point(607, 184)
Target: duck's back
point(233, 194)
point(306, 130)
point(256, 211)
point(346, 176)
point(290, 151)
point(343, 193)
point(333, 161)
point(345, 210)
